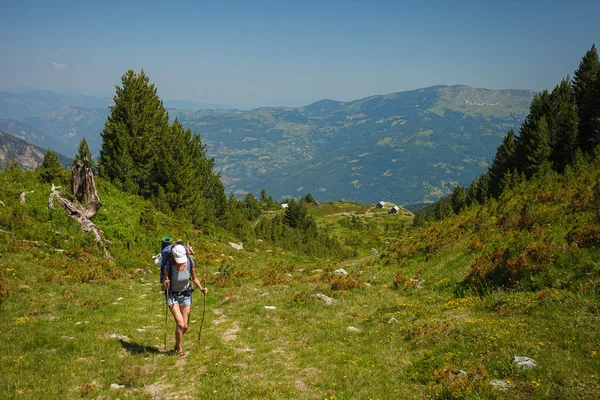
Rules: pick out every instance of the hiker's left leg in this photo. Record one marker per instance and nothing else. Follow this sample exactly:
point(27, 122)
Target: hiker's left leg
point(176, 311)
point(185, 313)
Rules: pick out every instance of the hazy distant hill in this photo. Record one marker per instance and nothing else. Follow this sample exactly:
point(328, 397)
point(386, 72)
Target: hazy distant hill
point(27, 155)
point(34, 136)
point(19, 106)
point(194, 105)
point(68, 125)
point(405, 147)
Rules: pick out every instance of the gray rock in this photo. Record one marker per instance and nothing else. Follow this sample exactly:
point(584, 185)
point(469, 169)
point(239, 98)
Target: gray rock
point(459, 373)
point(500, 384)
point(116, 386)
point(392, 321)
point(328, 301)
point(523, 362)
point(237, 246)
point(418, 283)
point(270, 308)
point(340, 271)
point(352, 329)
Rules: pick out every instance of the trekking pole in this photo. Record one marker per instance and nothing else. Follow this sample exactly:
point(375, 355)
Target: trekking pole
point(166, 313)
point(203, 313)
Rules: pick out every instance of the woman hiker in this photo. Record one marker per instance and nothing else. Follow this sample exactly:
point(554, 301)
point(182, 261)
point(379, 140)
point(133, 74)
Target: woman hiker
point(177, 272)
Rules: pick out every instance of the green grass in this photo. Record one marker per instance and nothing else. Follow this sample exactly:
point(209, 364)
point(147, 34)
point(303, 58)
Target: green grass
point(66, 334)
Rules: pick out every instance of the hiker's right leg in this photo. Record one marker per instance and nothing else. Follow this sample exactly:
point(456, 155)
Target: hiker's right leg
point(180, 326)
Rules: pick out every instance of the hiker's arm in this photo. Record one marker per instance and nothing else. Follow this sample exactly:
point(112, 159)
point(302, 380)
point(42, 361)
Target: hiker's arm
point(197, 282)
point(165, 282)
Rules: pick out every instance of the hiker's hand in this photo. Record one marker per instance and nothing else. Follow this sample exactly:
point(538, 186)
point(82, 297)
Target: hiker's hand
point(190, 250)
point(204, 290)
point(165, 284)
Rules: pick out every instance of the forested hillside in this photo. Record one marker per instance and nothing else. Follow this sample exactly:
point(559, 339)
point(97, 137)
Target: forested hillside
point(562, 128)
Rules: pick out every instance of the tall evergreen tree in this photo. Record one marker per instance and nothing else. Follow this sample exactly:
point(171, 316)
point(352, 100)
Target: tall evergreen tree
point(85, 155)
point(537, 149)
point(50, 170)
point(528, 133)
point(137, 126)
point(563, 131)
point(457, 199)
point(503, 162)
point(586, 82)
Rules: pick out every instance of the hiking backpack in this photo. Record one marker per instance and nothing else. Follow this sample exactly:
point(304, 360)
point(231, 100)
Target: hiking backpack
point(165, 261)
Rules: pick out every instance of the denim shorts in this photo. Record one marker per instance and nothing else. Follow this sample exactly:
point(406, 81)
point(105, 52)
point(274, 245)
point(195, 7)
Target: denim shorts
point(181, 299)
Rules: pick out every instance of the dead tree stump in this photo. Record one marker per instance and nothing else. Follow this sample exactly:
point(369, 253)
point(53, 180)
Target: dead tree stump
point(82, 186)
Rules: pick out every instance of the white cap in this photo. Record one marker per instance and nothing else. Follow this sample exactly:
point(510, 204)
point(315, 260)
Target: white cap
point(179, 254)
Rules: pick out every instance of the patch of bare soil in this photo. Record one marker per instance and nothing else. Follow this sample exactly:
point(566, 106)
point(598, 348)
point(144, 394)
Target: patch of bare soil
point(231, 333)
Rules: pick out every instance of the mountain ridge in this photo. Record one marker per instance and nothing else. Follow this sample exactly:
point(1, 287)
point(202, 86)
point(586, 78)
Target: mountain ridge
point(450, 132)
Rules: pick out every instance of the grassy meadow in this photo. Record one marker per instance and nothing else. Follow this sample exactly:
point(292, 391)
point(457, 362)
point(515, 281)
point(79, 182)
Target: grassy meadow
point(412, 319)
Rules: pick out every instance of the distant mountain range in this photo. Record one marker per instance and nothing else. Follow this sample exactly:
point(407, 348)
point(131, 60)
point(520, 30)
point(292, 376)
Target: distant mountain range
point(27, 155)
point(19, 106)
point(404, 147)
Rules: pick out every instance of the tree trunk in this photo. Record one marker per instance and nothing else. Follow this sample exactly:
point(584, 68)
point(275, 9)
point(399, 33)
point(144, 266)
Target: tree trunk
point(82, 185)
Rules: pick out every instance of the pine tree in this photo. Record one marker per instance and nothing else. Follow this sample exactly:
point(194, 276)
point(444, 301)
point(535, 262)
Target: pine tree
point(472, 192)
point(457, 199)
point(136, 127)
point(563, 132)
point(50, 170)
point(85, 155)
point(296, 216)
point(537, 149)
point(528, 133)
point(503, 162)
point(586, 82)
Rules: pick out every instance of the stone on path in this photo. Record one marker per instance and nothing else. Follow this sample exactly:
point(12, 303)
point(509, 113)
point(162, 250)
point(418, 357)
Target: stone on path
point(523, 362)
point(116, 386)
point(237, 246)
point(352, 329)
point(459, 373)
point(117, 336)
point(328, 301)
point(418, 283)
point(500, 384)
point(231, 333)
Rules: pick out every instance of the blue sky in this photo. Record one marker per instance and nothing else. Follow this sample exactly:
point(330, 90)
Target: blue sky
point(260, 53)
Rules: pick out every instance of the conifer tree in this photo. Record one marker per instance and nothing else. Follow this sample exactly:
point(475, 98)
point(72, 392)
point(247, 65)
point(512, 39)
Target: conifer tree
point(85, 155)
point(537, 149)
point(528, 133)
point(50, 170)
point(563, 132)
point(136, 127)
point(296, 216)
point(503, 162)
point(457, 199)
point(586, 82)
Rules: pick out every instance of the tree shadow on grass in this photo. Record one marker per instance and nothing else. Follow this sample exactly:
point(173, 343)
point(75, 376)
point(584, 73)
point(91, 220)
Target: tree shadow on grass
point(135, 348)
